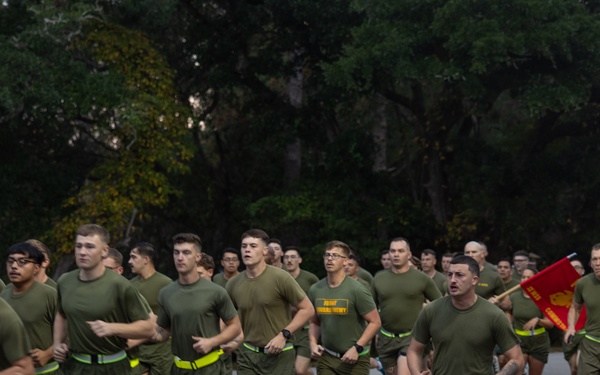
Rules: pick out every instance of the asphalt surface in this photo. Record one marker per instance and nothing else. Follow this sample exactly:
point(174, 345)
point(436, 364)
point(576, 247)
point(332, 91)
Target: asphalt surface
point(556, 366)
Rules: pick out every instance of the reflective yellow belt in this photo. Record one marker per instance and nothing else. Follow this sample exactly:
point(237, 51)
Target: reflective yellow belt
point(52, 366)
point(203, 361)
point(594, 339)
point(133, 363)
point(392, 335)
point(340, 355)
point(101, 359)
point(259, 349)
point(534, 332)
point(306, 327)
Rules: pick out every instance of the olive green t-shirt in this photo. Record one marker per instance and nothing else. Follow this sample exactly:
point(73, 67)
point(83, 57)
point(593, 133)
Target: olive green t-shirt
point(440, 281)
point(110, 298)
point(193, 310)
point(490, 284)
point(511, 283)
point(263, 303)
point(220, 279)
point(587, 291)
point(469, 335)
point(523, 310)
point(400, 297)
point(340, 312)
point(50, 283)
point(365, 275)
point(2, 285)
point(15, 343)
point(150, 287)
point(306, 279)
point(37, 308)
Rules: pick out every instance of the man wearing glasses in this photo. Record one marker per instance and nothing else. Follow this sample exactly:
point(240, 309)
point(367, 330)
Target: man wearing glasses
point(263, 295)
point(33, 302)
point(292, 260)
point(230, 263)
point(42, 276)
point(521, 262)
point(346, 318)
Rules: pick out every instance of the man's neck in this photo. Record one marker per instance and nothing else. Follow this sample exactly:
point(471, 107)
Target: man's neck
point(189, 277)
point(41, 277)
point(334, 279)
point(430, 273)
point(147, 273)
point(295, 272)
point(229, 275)
point(19, 288)
point(400, 269)
point(93, 273)
point(277, 264)
point(465, 302)
point(256, 270)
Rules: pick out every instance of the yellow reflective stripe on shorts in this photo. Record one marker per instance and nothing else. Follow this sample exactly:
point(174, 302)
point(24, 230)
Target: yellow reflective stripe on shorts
point(340, 355)
point(535, 332)
point(258, 349)
point(594, 339)
point(101, 359)
point(392, 335)
point(49, 367)
point(203, 361)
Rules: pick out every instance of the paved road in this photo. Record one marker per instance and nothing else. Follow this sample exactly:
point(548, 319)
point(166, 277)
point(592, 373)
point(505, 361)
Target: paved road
point(556, 366)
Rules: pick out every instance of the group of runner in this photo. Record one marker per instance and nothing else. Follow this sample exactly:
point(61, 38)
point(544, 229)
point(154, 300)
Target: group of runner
point(275, 317)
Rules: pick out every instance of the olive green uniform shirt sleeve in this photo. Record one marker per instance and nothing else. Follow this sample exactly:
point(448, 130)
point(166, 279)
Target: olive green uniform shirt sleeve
point(400, 297)
point(490, 284)
point(263, 303)
point(306, 279)
point(469, 335)
point(150, 287)
point(587, 292)
point(15, 343)
point(36, 307)
point(110, 298)
point(340, 312)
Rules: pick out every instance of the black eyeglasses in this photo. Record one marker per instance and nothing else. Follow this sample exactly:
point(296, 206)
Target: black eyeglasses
point(21, 261)
point(334, 256)
point(290, 257)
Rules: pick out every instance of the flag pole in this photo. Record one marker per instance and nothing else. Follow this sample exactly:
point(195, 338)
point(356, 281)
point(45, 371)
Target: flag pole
point(517, 287)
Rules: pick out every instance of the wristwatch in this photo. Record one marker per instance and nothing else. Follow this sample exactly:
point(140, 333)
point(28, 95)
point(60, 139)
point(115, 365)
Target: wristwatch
point(287, 334)
point(359, 348)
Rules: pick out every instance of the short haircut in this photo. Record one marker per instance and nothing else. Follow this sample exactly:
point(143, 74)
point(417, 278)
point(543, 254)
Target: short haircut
point(429, 252)
point(294, 248)
point(505, 260)
point(275, 240)
point(207, 262)
point(355, 258)
point(40, 246)
point(28, 250)
point(470, 262)
point(522, 253)
point(116, 255)
point(87, 230)
point(146, 249)
point(345, 248)
point(192, 238)
point(532, 269)
point(257, 233)
point(385, 251)
point(401, 239)
point(449, 255)
point(596, 247)
point(231, 250)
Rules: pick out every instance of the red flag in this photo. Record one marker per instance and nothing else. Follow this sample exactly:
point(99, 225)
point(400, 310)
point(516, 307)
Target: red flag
point(552, 291)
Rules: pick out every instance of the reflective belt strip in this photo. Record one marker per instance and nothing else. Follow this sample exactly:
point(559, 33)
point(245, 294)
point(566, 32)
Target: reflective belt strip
point(52, 366)
point(340, 355)
point(594, 339)
point(103, 359)
point(535, 332)
point(305, 327)
point(389, 334)
point(133, 363)
point(257, 349)
point(203, 361)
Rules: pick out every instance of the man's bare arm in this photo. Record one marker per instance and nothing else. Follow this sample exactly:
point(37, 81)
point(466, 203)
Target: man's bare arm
point(515, 361)
point(414, 355)
point(23, 366)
